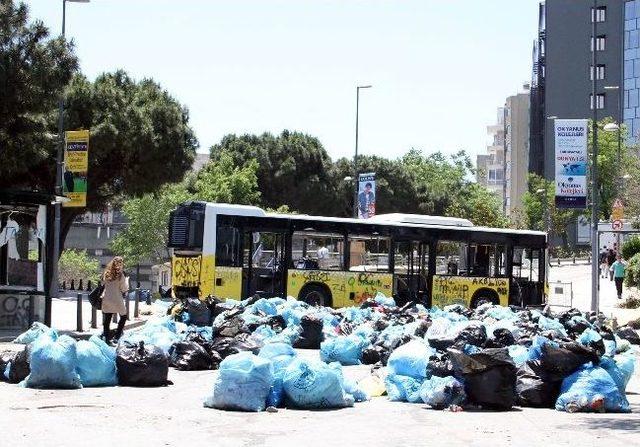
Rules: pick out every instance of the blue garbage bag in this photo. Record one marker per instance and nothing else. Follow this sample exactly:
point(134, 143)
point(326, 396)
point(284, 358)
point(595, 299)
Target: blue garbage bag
point(96, 363)
point(551, 324)
point(591, 389)
point(265, 306)
point(442, 392)
point(53, 363)
point(310, 384)
point(383, 300)
point(167, 322)
point(500, 313)
point(620, 368)
point(264, 332)
point(519, 354)
point(344, 349)
point(243, 383)
point(410, 359)
point(403, 388)
point(535, 351)
point(280, 355)
point(156, 335)
point(32, 334)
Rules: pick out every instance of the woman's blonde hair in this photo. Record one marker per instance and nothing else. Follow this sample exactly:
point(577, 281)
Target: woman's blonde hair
point(113, 270)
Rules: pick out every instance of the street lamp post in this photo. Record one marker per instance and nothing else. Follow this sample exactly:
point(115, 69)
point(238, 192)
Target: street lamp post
point(55, 252)
point(355, 158)
point(595, 275)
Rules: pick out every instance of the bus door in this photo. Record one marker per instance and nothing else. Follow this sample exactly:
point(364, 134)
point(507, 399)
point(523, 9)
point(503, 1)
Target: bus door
point(527, 278)
point(411, 265)
point(264, 269)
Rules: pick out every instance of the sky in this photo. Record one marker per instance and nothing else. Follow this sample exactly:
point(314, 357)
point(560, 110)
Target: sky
point(439, 68)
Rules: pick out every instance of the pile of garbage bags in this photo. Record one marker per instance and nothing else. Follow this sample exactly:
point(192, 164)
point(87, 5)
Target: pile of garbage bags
point(491, 357)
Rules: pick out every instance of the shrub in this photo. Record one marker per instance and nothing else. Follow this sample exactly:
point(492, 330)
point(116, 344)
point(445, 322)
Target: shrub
point(76, 265)
point(631, 247)
point(632, 276)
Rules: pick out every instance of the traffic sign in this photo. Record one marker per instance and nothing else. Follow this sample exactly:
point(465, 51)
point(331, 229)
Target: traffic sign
point(617, 210)
point(617, 204)
point(616, 225)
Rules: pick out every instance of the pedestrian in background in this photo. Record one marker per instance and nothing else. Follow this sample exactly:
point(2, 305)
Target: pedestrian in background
point(604, 268)
point(611, 258)
point(116, 284)
point(617, 269)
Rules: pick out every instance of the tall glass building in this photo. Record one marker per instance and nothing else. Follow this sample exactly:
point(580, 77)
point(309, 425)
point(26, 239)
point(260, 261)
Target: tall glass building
point(632, 70)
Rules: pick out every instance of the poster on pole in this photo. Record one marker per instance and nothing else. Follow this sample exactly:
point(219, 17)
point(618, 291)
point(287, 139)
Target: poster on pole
point(571, 163)
point(366, 195)
point(76, 165)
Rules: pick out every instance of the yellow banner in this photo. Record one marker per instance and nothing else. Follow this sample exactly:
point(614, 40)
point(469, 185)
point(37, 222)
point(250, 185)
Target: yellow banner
point(76, 165)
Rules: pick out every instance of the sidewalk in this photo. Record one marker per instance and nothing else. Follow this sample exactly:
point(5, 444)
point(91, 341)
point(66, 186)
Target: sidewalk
point(580, 277)
point(64, 318)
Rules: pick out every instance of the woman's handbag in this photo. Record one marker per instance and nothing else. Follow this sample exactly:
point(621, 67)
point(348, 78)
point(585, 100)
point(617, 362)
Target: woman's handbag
point(95, 297)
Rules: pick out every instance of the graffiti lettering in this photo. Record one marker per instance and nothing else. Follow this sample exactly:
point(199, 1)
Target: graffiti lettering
point(186, 271)
point(15, 312)
point(312, 275)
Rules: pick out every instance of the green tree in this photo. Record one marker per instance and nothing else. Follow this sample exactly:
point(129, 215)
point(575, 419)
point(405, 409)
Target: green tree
point(293, 169)
point(535, 209)
point(140, 140)
point(34, 69)
point(147, 234)
point(76, 265)
point(222, 181)
point(480, 206)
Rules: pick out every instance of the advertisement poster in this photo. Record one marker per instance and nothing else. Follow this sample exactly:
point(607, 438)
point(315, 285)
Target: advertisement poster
point(76, 165)
point(366, 195)
point(571, 163)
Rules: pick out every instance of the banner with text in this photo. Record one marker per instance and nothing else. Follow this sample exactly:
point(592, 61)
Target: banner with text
point(366, 195)
point(571, 163)
point(76, 165)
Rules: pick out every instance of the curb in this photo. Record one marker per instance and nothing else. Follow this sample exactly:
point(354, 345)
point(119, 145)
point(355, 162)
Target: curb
point(81, 335)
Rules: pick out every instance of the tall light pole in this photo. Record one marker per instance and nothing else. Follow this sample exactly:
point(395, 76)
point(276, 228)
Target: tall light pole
point(355, 158)
point(595, 274)
point(53, 283)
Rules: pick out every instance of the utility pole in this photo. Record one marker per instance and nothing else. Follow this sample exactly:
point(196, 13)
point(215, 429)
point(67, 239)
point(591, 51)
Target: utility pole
point(355, 158)
point(595, 276)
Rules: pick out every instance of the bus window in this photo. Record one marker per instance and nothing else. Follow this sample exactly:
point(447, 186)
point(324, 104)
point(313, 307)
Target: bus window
point(313, 251)
point(264, 250)
point(451, 258)
point(369, 254)
point(526, 264)
point(487, 260)
point(228, 247)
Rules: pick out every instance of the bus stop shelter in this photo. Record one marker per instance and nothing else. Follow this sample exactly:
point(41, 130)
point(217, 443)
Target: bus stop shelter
point(26, 254)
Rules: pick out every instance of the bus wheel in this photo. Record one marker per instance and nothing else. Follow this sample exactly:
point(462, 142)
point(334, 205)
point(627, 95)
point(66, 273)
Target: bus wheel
point(485, 296)
point(315, 295)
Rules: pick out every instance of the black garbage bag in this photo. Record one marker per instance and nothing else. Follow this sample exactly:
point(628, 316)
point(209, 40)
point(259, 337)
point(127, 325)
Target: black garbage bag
point(422, 328)
point(224, 307)
point(226, 346)
point(141, 365)
point(199, 312)
point(231, 326)
point(629, 334)
point(5, 358)
point(502, 337)
point(380, 324)
point(18, 365)
point(440, 366)
point(190, 356)
point(535, 387)
point(489, 377)
point(373, 354)
point(311, 335)
point(474, 334)
point(566, 358)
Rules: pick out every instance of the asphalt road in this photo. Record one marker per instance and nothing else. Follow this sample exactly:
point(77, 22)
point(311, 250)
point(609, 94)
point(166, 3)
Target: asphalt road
point(174, 416)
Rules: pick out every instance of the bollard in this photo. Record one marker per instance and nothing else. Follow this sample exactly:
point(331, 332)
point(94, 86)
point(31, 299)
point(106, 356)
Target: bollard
point(94, 318)
point(73, 284)
point(128, 302)
point(79, 313)
point(136, 307)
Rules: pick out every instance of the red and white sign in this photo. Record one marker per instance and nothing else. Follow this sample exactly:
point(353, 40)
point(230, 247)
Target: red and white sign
point(616, 225)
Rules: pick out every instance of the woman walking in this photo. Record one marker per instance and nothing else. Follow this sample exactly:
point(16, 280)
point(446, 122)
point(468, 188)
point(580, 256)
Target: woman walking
point(618, 268)
point(115, 285)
